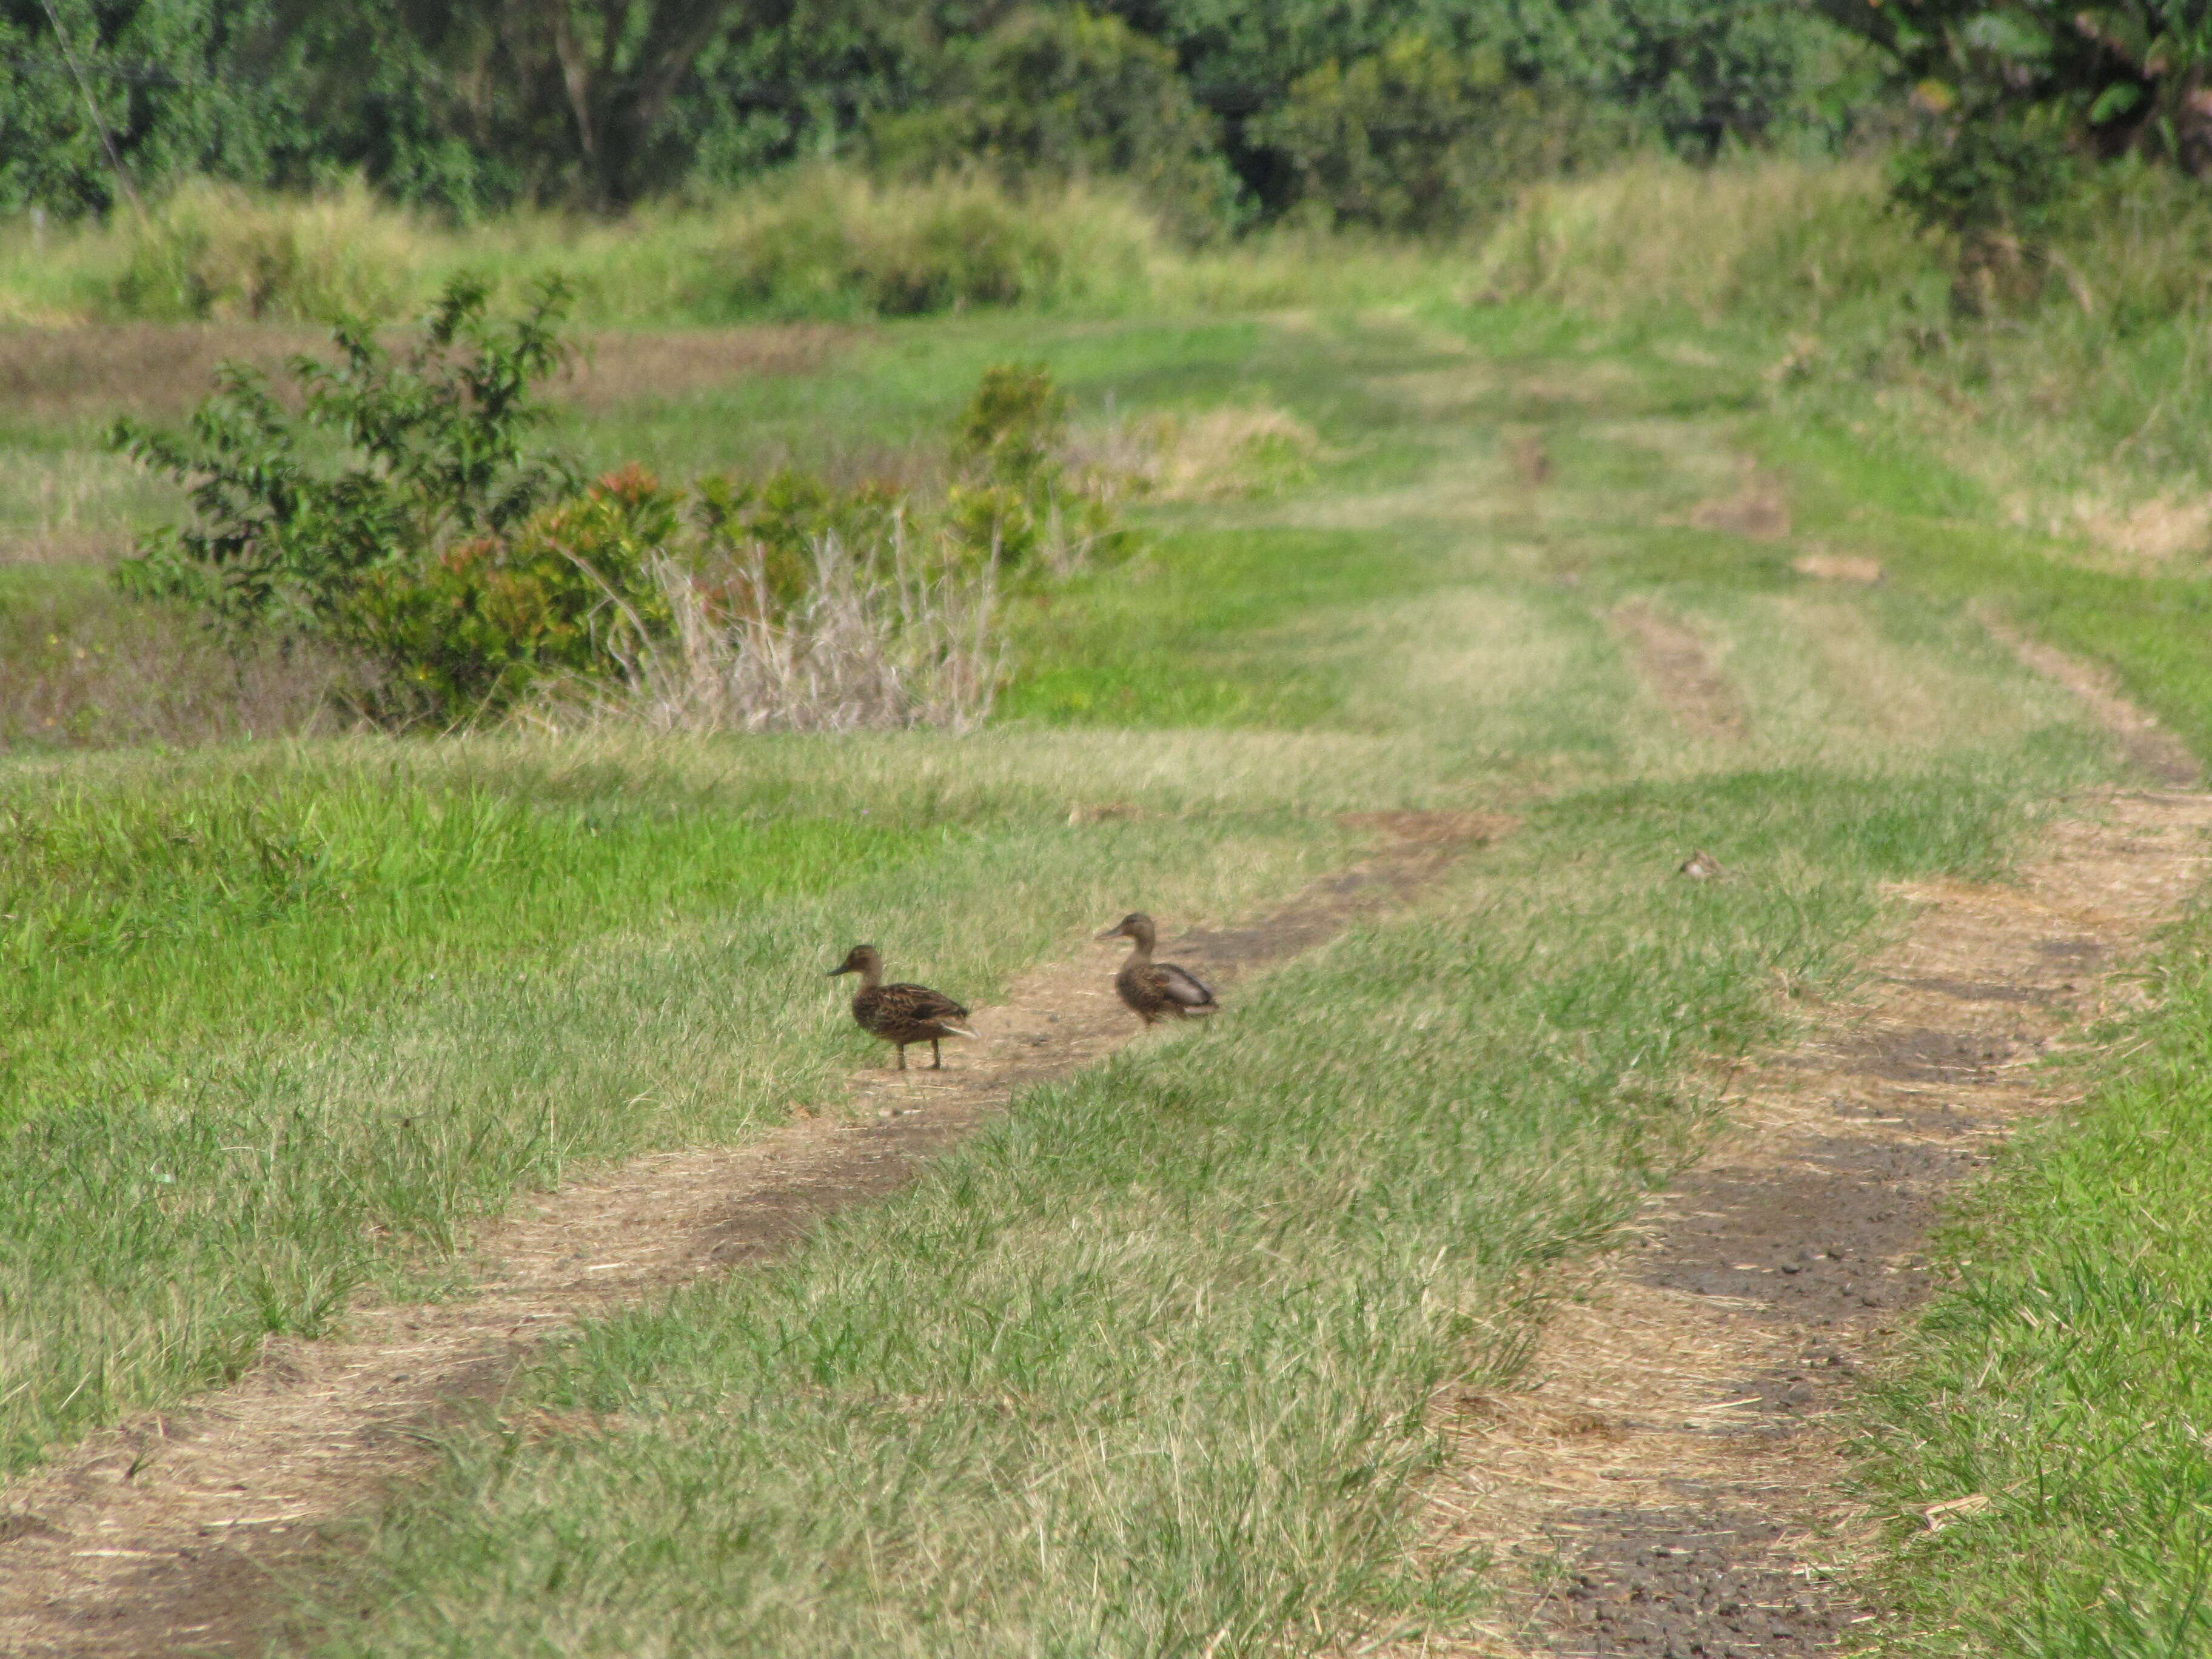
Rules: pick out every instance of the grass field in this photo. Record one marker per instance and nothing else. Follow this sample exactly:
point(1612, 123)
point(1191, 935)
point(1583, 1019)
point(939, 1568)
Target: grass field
point(288, 1019)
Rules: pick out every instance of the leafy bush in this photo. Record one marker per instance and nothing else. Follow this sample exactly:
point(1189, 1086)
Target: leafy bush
point(1013, 502)
point(2013, 96)
point(571, 591)
point(280, 536)
point(1418, 138)
point(471, 572)
point(1059, 94)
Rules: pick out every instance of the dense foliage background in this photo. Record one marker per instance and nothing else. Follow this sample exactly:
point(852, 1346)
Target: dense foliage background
point(1224, 111)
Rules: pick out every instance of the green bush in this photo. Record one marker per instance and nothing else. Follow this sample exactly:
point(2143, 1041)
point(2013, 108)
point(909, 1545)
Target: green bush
point(466, 571)
point(573, 589)
point(763, 533)
point(1416, 138)
point(1012, 498)
point(1059, 94)
point(431, 448)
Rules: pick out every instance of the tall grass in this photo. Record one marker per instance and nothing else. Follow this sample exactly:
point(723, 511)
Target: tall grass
point(2067, 379)
point(1763, 242)
point(817, 243)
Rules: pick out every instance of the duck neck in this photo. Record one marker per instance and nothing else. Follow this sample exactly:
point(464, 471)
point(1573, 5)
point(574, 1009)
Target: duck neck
point(1143, 954)
point(872, 974)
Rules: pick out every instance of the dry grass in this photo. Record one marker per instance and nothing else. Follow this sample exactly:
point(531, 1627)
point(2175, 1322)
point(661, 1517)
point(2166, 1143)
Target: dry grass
point(616, 368)
point(98, 370)
point(883, 640)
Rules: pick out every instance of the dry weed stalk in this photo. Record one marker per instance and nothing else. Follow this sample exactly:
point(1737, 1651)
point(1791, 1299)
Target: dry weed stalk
point(887, 642)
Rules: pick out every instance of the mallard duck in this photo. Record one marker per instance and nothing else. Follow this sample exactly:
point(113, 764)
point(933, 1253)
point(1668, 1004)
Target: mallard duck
point(1153, 988)
point(901, 1013)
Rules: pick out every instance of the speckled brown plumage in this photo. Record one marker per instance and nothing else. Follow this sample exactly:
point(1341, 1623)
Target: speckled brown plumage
point(1156, 990)
point(901, 1014)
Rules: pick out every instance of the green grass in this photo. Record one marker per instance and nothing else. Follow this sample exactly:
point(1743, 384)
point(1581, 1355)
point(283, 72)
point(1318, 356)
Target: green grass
point(280, 1053)
point(1156, 1375)
point(1164, 1387)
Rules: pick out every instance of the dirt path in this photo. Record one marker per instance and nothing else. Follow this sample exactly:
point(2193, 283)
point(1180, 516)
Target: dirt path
point(1674, 666)
point(159, 1538)
point(1669, 1483)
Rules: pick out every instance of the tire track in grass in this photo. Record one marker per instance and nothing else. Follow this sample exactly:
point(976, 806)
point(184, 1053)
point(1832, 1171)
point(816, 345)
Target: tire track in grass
point(1679, 671)
point(1670, 1480)
point(159, 1538)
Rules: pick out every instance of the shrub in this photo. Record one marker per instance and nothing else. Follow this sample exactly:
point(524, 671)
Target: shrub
point(279, 537)
point(1013, 502)
point(768, 533)
point(1417, 138)
point(571, 591)
point(467, 572)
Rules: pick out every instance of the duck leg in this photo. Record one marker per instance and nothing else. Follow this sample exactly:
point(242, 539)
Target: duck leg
point(936, 1057)
point(902, 1048)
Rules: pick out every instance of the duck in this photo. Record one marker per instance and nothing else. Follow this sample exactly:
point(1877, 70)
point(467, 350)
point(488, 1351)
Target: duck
point(1154, 989)
point(901, 1014)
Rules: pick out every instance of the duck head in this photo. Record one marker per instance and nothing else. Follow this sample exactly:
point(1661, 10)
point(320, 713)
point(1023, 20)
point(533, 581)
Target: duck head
point(862, 959)
point(1136, 925)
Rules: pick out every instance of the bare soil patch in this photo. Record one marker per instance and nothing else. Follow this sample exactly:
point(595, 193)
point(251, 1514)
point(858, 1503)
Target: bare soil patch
point(1673, 663)
point(1759, 511)
point(161, 1537)
point(1837, 568)
point(164, 369)
point(1669, 1481)
point(632, 366)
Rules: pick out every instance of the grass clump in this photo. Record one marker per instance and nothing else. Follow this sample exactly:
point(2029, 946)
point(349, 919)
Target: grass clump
point(834, 245)
point(214, 253)
point(1768, 242)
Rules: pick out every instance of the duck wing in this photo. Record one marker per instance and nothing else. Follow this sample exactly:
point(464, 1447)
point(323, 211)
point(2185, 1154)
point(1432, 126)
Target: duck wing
point(1184, 989)
point(913, 1008)
point(919, 1002)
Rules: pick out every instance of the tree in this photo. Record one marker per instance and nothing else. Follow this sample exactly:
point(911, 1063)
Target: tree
point(2104, 80)
point(555, 99)
point(99, 97)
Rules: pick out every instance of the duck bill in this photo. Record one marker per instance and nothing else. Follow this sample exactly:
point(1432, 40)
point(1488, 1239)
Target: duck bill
point(1114, 932)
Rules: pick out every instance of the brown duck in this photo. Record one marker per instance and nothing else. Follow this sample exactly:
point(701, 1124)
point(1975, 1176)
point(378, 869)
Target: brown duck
point(901, 1013)
point(1154, 989)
